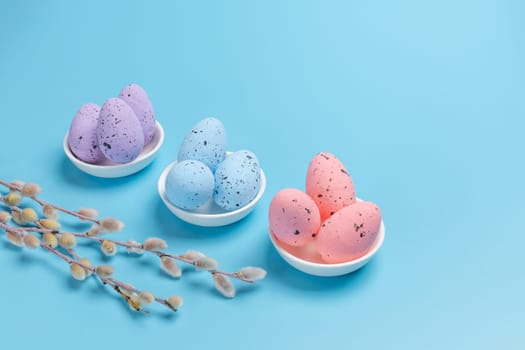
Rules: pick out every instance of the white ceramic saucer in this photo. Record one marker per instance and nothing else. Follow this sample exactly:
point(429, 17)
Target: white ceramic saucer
point(303, 257)
point(110, 169)
point(210, 214)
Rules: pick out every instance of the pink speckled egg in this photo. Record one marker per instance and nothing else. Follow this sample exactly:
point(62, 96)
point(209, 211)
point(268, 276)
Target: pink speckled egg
point(119, 132)
point(294, 217)
point(349, 233)
point(82, 136)
point(329, 184)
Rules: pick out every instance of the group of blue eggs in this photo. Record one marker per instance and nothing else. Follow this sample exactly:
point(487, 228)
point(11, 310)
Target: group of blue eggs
point(205, 171)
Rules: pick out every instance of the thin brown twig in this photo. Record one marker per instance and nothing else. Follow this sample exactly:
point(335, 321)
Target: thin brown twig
point(75, 259)
point(158, 253)
point(42, 203)
point(29, 222)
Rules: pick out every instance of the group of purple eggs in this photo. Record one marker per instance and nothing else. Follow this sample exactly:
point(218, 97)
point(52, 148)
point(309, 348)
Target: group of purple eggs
point(117, 131)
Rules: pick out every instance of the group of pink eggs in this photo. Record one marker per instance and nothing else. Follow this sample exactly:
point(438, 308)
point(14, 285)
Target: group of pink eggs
point(327, 216)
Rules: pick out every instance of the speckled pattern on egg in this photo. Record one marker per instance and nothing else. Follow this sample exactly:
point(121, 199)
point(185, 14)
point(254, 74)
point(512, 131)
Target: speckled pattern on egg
point(119, 132)
point(135, 96)
point(349, 233)
point(189, 184)
point(237, 180)
point(329, 184)
point(82, 136)
point(294, 217)
point(206, 142)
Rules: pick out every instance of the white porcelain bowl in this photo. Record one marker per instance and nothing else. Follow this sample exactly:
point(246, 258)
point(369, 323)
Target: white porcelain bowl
point(110, 169)
point(210, 214)
point(302, 258)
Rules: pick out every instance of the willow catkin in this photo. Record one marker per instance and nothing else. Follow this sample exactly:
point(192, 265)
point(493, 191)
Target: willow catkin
point(170, 267)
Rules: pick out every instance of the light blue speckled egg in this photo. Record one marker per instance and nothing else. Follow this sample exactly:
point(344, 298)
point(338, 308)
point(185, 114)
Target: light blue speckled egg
point(189, 184)
point(119, 132)
point(206, 143)
point(135, 96)
point(237, 180)
point(82, 136)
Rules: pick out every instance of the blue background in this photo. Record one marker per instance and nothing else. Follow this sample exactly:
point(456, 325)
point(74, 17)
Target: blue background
point(423, 102)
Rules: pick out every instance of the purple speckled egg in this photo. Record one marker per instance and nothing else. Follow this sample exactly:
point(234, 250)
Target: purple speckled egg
point(119, 131)
point(82, 137)
point(138, 100)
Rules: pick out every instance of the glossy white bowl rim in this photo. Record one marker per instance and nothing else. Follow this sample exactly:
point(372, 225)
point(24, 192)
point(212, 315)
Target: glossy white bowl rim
point(207, 219)
point(325, 269)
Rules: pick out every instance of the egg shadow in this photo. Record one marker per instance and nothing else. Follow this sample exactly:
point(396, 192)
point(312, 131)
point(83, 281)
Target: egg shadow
point(279, 271)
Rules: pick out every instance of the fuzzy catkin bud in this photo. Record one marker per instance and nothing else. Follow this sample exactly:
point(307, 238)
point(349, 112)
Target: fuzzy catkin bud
point(94, 230)
point(170, 266)
point(50, 224)
point(134, 302)
point(154, 244)
point(127, 289)
point(17, 183)
point(205, 263)
point(174, 302)
point(5, 217)
point(17, 218)
point(31, 241)
point(224, 285)
point(252, 273)
point(50, 239)
point(15, 239)
point(88, 212)
point(146, 297)
point(29, 215)
point(111, 225)
point(108, 248)
point(135, 249)
point(77, 272)
point(104, 271)
point(49, 212)
point(13, 198)
point(193, 255)
point(30, 189)
point(67, 241)
point(86, 262)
